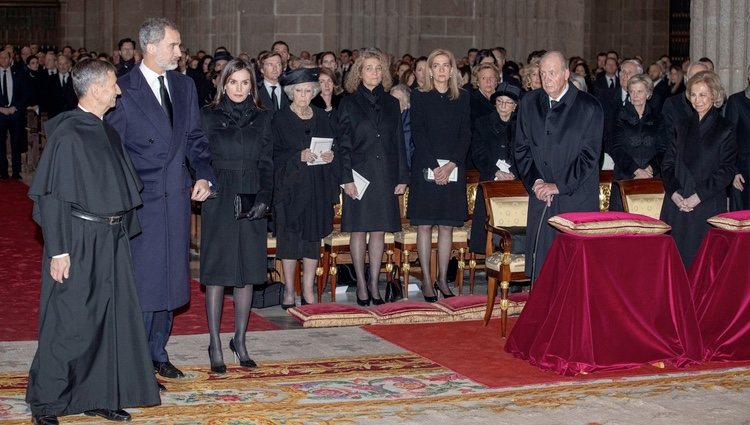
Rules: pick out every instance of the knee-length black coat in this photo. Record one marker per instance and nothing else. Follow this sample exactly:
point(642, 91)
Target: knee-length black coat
point(441, 129)
point(637, 142)
point(702, 159)
point(372, 143)
point(491, 140)
point(233, 252)
point(737, 111)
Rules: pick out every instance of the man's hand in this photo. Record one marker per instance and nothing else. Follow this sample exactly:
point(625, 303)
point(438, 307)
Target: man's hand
point(738, 182)
point(500, 175)
point(201, 191)
point(59, 268)
point(692, 201)
point(643, 173)
point(545, 191)
point(399, 189)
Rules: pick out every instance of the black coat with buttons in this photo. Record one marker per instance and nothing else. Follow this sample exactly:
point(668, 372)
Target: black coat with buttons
point(233, 252)
point(372, 143)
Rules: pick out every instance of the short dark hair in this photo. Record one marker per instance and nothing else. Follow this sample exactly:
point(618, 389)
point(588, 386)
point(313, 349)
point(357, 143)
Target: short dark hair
point(600, 54)
point(125, 40)
point(89, 71)
point(347, 51)
point(472, 50)
point(277, 42)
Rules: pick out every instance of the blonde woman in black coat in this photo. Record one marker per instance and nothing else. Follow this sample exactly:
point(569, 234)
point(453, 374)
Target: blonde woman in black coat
point(372, 144)
point(233, 252)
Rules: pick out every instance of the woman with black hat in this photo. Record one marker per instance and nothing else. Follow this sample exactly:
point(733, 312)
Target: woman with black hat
point(492, 152)
point(305, 184)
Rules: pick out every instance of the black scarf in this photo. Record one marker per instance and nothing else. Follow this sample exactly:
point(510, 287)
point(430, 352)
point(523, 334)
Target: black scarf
point(241, 113)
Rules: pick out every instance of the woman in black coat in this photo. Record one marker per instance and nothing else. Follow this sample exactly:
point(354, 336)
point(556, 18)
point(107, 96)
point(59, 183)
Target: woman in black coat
point(372, 144)
point(441, 129)
point(492, 142)
point(233, 252)
point(639, 139)
point(484, 81)
point(304, 193)
point(330, 92)
point(737, 111)
point(698, 166)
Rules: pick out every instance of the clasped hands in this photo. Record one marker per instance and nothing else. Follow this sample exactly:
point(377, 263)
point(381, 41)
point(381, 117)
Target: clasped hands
point(443, 173)
point(258, 211)
point(644, 173)
point(686, 204)
point(309, 156)
point(8, 111)
point(545, 191)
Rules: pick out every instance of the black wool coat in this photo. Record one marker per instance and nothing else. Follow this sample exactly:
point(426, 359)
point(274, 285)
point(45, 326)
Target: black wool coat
point(737, 111)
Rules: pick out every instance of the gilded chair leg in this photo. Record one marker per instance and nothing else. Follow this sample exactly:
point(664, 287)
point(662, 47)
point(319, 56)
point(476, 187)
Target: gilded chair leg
point(504, 302)
point(326, 273)
point(388, 265)
point(460, 271)
point(472, 271)
point(491, 294)
point(320, 283)
point(333, 271)
point(405, 266)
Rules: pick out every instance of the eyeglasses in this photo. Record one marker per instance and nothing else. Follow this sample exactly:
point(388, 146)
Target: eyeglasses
point(505, 103)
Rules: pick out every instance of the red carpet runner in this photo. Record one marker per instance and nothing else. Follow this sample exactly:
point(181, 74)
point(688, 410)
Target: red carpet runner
point(20, 267)
point(478, 353)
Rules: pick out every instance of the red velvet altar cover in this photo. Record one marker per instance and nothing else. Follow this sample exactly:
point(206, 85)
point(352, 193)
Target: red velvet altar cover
point(720, 280)
point(608, 303)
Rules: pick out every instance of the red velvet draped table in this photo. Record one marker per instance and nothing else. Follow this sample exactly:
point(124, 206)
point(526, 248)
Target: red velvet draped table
point(605, 303)
point(720, 280)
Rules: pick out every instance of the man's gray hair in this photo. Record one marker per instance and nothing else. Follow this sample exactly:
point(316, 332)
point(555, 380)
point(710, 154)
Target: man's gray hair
point(557, 55)
point(90, 71)
point(635, 63)
point(152, 31)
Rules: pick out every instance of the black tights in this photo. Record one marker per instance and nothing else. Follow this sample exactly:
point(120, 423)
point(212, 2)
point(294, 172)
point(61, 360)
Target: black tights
point(375, 247)
point(243, 300)
point(308, 279)
point(424, 250)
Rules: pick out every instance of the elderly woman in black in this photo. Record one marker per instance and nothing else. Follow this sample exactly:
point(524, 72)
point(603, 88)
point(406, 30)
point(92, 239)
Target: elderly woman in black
point(698, 166)
point(233, 252)
point(484, 78)
point(304, 192)
point(441, 129)
point(492, 152)
point(639, 139)
point(372, 145)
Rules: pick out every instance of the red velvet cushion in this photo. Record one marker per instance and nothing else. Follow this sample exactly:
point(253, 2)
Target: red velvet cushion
point(607, 223)
point(409, 312)
point(331, 314)
point(472, 307)
point(735, 220)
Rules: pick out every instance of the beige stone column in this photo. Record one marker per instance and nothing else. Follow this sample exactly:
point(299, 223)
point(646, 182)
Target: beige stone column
point(719, 30)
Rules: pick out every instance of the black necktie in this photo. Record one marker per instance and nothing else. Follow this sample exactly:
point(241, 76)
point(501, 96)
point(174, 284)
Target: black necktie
point(4, 95)
point(274, 99)
point(611, 82)
point(553, 103)
point(166, 103)
point(64, 80)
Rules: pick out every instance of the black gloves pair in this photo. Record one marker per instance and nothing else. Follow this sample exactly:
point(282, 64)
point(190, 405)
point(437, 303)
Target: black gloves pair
point(258, 211)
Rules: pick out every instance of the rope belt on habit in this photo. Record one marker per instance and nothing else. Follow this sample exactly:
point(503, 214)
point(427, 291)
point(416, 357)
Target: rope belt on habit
point(111, 220)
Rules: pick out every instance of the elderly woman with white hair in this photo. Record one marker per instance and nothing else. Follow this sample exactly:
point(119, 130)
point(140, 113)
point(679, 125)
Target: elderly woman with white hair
point(305, 183)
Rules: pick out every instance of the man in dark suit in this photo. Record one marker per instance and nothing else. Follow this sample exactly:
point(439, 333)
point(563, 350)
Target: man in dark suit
point(14, 90)
point(158, 119)
point(126, 64)
point(558, 143)
point(270, 93)
point(677, 108)
point(661, 82)
point(61, 96)
point(607, 81)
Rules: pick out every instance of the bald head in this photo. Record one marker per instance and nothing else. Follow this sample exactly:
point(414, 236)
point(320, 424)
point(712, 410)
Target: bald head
point(695, 68)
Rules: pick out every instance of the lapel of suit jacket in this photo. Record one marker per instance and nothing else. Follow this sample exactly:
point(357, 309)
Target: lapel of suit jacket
point(179, 105)
point(146, 101)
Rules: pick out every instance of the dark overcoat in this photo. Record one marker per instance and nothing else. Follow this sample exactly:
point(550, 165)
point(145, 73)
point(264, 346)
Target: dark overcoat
point(441, 129)
point(161, 154)
point(491, 140)
point(702, 159)
point(372, 143)
point(676, 109)
point(637, 142)
point(561, 145)
point(233, 252)
point(737, 111)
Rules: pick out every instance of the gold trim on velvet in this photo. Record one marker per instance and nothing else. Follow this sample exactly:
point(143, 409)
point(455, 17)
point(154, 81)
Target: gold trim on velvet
point(327, 320)
point(610, 227)
point(729, 223)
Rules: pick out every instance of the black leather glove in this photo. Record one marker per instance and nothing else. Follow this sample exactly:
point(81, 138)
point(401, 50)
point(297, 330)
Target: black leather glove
point(258, 211)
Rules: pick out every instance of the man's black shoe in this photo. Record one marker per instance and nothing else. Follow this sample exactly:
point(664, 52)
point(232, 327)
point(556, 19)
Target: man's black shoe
point(162, 388)
point(44, 420)
point(167, 370)
point(110, 415)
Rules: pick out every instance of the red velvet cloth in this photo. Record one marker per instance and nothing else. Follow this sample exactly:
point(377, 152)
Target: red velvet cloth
point(720, 280)
point(608, 303)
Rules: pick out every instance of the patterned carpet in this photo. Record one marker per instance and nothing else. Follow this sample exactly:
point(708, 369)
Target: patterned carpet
point(390, 388)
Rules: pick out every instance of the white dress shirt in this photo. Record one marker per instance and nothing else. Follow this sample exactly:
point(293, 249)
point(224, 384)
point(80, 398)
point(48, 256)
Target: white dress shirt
point(152, 78)
point(9, 84)
point(268, 85)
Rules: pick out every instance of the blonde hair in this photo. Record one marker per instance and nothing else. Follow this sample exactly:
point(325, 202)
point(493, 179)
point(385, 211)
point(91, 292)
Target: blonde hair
point(712, 81)
point(454, 81)
point(527, 71)
point(353, 77)
point(481, 67)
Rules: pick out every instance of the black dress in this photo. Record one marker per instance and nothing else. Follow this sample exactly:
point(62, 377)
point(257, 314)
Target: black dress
point(737, 111)
point(372, 143)
point(233, 252)
point(637, 142)
point(92, 351)
point(441, 129)
point(701, 160)
point(303, 195)
point(492, 139)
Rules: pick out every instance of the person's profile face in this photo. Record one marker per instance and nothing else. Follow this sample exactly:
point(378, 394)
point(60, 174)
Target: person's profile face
point(166, 53)
point(627, 70)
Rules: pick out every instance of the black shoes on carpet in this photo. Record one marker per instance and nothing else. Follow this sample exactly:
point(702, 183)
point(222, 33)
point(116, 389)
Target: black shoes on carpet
point(167, 370)
point(110, 415)
point(250, 363)
point(44, 419)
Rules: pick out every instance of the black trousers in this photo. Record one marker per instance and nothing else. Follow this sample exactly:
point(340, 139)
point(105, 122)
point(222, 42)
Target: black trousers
point(15, 125)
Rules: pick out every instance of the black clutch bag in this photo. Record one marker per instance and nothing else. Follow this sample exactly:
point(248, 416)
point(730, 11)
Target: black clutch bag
point(243, 203)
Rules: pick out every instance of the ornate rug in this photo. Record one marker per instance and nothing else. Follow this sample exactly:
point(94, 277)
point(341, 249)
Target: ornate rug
point(390, 389)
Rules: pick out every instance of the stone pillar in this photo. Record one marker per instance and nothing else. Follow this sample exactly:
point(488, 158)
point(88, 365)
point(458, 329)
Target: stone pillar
point(719, 30)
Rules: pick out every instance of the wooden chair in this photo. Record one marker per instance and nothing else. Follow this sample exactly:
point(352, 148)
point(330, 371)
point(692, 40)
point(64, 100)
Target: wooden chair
point(642, 196)
point(605, 189)
point(472, 185)
point(507, 205)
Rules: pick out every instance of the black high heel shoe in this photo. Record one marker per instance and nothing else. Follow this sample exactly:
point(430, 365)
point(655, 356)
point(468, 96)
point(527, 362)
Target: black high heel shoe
point(365, 302)
point(431, 299)
point(244, 363)
point(304, 301)
point(375, 301)
point(448, 295)
point(216, 368)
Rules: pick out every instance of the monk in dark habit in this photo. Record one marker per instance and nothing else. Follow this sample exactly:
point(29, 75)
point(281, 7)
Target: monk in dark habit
point(92, 356)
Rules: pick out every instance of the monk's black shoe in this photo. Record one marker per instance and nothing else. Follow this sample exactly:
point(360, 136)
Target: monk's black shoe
point(168, 370)
point(162, 388)
point(110, 415)
point(44, 420)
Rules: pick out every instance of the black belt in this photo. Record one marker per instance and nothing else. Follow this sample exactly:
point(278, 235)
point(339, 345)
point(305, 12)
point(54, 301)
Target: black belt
point(111, 220)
